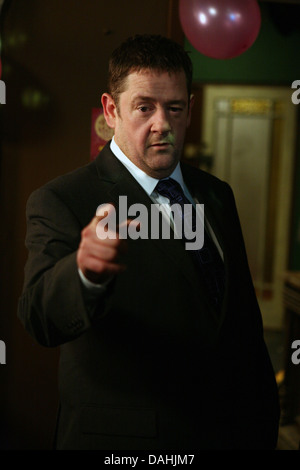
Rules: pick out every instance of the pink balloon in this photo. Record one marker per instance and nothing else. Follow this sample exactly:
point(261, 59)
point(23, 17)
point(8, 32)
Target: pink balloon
point(221, 29)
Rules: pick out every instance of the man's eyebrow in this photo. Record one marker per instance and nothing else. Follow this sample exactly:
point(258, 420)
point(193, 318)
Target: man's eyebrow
point(150, 99)
point(179, 102)
point(142, 98)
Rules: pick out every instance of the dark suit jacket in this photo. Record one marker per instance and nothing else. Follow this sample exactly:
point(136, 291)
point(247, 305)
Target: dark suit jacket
point(154, 367)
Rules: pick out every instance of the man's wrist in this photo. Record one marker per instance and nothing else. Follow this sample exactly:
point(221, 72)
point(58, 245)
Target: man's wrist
point(92, 286)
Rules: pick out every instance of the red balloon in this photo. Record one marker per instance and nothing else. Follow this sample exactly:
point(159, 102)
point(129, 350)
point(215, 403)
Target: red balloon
point(221, 29)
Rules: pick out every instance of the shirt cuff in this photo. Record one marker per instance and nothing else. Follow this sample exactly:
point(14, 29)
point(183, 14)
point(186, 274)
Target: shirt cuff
point(92, 287)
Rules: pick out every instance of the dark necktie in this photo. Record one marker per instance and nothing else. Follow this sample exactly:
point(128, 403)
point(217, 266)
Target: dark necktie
point(207, 259)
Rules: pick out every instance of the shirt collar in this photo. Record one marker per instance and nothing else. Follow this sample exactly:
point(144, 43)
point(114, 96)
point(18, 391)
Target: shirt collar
point(147, 182)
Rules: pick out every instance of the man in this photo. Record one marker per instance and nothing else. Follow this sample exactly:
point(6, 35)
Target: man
point(149, 359)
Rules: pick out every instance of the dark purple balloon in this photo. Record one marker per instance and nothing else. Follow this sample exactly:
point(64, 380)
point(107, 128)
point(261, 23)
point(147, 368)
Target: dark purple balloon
point(221, 29)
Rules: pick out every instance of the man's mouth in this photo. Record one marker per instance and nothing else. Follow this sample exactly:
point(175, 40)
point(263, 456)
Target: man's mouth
point(160, 144)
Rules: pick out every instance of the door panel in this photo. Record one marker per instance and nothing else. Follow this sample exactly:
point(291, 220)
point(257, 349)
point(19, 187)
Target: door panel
point(250, 131)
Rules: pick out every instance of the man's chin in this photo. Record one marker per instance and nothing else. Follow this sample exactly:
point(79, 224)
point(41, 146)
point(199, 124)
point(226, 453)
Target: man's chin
point(162, 167)
point(163, 156)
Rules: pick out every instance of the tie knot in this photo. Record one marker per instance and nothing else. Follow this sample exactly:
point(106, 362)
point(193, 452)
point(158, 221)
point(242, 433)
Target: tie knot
point(170, 189)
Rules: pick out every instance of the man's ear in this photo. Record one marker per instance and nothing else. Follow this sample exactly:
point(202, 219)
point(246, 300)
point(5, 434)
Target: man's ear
point(109, 109)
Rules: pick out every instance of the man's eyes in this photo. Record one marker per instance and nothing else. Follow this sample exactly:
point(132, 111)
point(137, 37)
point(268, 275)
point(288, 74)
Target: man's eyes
point(147, 108)
point(144, 108)
point(175, 109)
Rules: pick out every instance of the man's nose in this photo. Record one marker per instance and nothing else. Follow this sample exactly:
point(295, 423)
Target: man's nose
point(161, 122)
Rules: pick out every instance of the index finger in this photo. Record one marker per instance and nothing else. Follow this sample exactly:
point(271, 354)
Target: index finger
point(105, 221)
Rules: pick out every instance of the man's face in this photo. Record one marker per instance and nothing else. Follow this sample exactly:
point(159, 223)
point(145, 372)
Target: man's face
point(151, 120)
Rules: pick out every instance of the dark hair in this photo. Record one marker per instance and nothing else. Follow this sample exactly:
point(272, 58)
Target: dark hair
point(152, 52)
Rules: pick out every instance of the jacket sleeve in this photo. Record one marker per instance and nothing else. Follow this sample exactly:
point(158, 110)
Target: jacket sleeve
point(52, 305)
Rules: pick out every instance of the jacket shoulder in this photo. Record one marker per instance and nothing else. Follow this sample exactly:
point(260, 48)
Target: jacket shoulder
point(73, 180)
point(84, 182)
point(203, 178)
point(78, 191)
